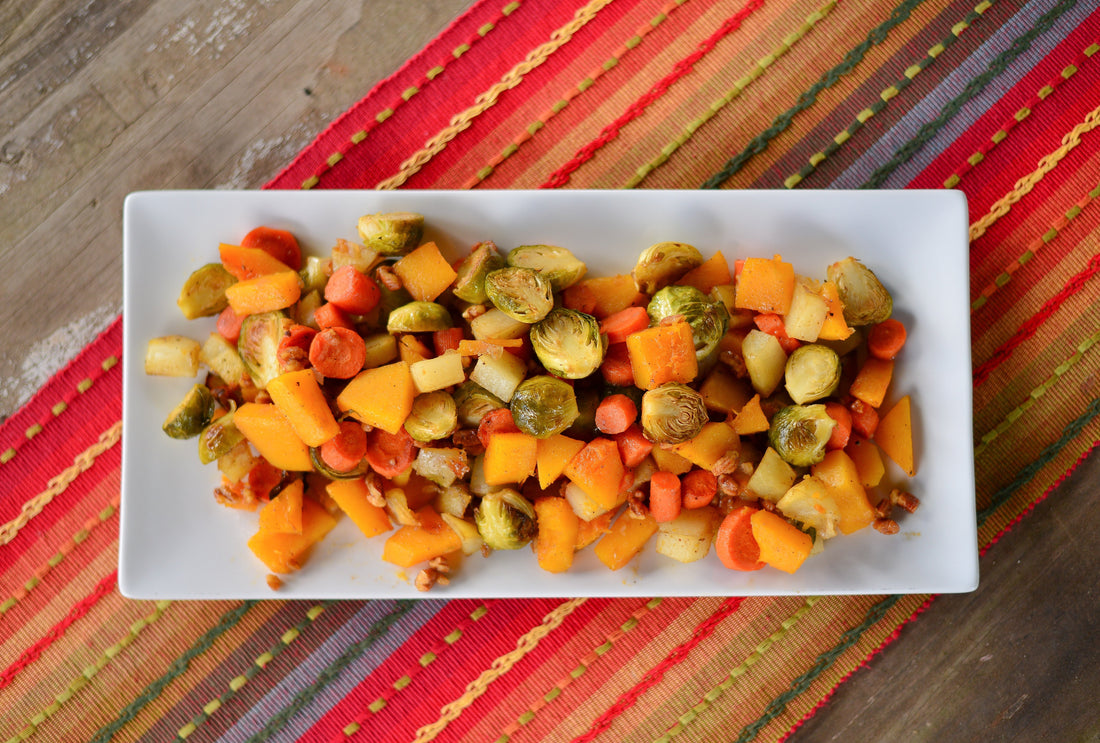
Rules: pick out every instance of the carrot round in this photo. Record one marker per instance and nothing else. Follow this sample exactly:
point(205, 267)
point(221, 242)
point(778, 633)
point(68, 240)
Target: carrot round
point(329, 315)
point(279, 244)
point(352, 290)
point(699, 488)
point(864, 418)
point(229, 324)
point(735, 544)
point(294, 347)
point(447, 340)
point(614, 414)
point(664, 496)
point(842, 431)
point(634, 447)
point(616, 368)
point(619, 325)
point(494, 422)
point(772, 324)
point(390, 454)
point(338, 353)
point(344, 451)
point(886, 339)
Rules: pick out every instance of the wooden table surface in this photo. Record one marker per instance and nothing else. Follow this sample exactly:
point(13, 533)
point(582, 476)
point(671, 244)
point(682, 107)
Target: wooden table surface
point(89, 89)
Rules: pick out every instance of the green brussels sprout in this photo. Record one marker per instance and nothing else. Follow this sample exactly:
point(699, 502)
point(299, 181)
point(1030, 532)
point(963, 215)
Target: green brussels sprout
point(664, 263)
point(708, 318)
point(258, 345)
point(568, 343)
point(418, 317)
point(866, 301)
point(472, 402)
point(812, 373)
point(810, 504)
point(521, 293)
point(799, 433)
point(313, 275)
point(203, 294)
point(396, 233)
point(192, 414)
point(543, 406)
point(218, 438)
point(483, 259)
point(672, 414)
point(557, 264)
point(505, 519)
point(433, 416)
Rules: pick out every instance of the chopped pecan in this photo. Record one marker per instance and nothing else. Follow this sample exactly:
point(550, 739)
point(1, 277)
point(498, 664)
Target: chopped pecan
point(883, 508)
point(375, 496)
point(672, 320)
point(886, 526)
point(436, 572)
point(387, 278)
point(467, 440)
point(636, 504)
point(903, 500)
point(730, 485)
point(735, 361)
point(474, 310)
point(274, 582)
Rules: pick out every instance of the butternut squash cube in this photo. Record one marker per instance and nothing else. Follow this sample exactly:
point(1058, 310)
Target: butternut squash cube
point(765, 285)
point(285, 553)
point(598, 470)
point(273, 291)
point(662, 354)
point(424, 272)
point(552, 455)
point(895, 436)
point(353, 499)
point(301, 400)
point(625, 540)
point(716, 440)
point(750, 419)
point(411, 545)
point(381, 397)
point(557, 536)
point(839, 474)
point(782, 545)
point(510, 458)
point(267, 429)
point(868, 460)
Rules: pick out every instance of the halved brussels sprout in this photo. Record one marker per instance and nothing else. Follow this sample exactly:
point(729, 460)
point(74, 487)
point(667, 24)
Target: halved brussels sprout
point(673, 414)
point(543, 406)
point(799, 433)
point(505, 519)
point(313, 275)
point(568, 343)
point(433, 416)
point(442, 466)
point(521, 293)
point(483, 259)
point(557, 264)
point(708, 318)
point(395, 233)
point(866, 300)
point(192, 414)
point(810, 504)
point(418, 317)
point(664, 263)
point(203, 293)
point(218, 438)
point(812, 373)
point(258, 345)
point(472, 402)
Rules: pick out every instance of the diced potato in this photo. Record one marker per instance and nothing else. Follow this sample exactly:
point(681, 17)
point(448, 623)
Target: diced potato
point(172, 356)
point(688, 537)
point(772, 477)
point(582, 504)
point(381, 350)
point(499, 375)
point(222, 358)
point(236, 463)
point(435, 374)
point(765, 360)
point(495, 325)
point(398, 507)
point(807, 313)
point(810, 503)
point(467, 532)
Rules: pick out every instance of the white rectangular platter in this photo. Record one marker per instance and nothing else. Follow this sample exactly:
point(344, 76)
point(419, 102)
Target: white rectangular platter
point(178, 543)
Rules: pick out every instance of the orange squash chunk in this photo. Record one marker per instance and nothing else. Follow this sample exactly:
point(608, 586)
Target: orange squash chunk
point(872, 381)
point(273, 291)
point(267, 429)
point(782, 545)
point(410, 545)
point(603, 295)
point(895, 436)
point(353, 499)
point(750, 419)
point(283, 513)
point(839, 474)
point(285, 553)
point(510, 458)
point(248, 263)
point(868, 460)
point(301, 400)
point(625, 540)
point(424, 272)
point(598, 470)
point(765, 285)
point(662, 354)
point(556, 542)
point(552, 455)
point(380, 397)
point(714, 271)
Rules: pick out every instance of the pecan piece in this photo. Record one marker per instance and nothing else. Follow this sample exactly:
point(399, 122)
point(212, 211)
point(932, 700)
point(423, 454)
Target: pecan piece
point(436, 572)
point(886, 526)
point(903, 500)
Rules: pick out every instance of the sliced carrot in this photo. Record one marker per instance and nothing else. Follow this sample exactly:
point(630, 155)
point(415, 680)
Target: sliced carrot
point(624, 322)
point(664, 496)
point(634, 447)
point(886, 339)
point(615, 414)
point(735, 544)
point(494, 422)
point(390, 454)
point(293, 351)
point(338, 353)
point(616, 368)
point(229, 324)
point(329, 315)
point(279, 244)
point(864, 418)
point(344, 451)
point(352, 290)
point(699, 489)
point(447, 340)
point(773, 324)
point(842, 431)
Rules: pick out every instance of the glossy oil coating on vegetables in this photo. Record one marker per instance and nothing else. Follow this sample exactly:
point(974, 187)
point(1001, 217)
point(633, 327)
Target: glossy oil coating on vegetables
point(455, 406)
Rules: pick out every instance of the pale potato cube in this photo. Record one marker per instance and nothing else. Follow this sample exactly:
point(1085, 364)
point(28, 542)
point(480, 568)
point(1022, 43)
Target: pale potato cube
point(765, 360)
point(499, 375)
point(495, 325)
point(688, 537)
point(772, 478)
point(581, 502)
point(222, 358)
point(807, 314)
point(172, 356)
point(435, 374)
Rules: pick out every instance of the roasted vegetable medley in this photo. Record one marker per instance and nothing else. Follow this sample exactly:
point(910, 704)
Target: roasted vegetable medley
point(498, 399)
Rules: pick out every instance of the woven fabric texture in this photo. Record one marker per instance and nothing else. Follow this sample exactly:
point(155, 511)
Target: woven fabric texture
point(995, 98)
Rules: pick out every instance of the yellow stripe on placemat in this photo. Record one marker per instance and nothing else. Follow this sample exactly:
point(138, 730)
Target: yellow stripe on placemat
point(499, 667)
point(60, 482)
point(1024, 186)
point(486, 100)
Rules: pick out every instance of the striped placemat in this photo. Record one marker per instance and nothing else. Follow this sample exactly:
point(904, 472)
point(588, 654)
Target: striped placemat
point(995, 98)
